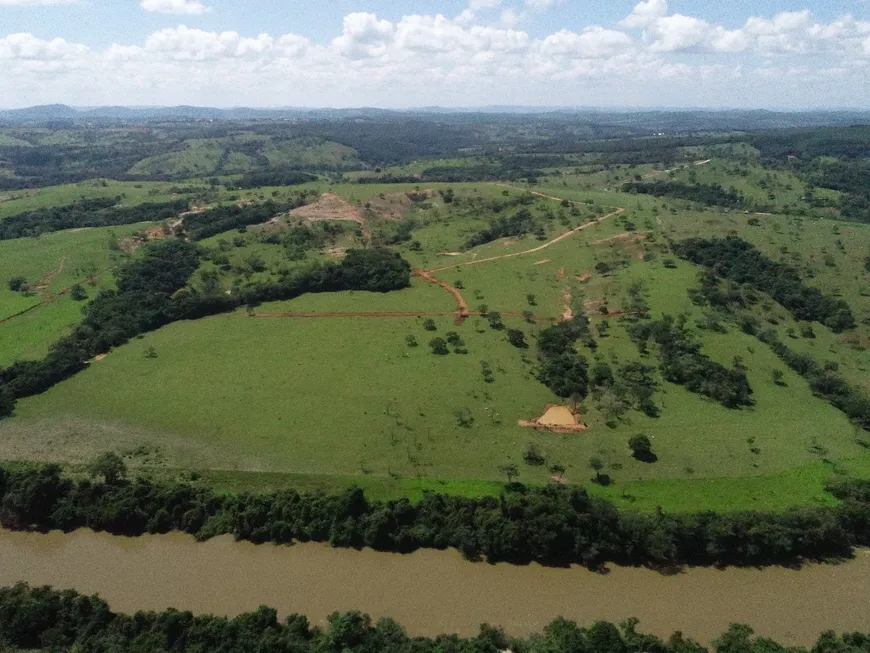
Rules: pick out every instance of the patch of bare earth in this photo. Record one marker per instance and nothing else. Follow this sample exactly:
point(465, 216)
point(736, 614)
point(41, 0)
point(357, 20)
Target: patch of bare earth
point(583, 278)
point(546, 260)
point(390, 206)
point(567, 314)
point(331, 207)
point(556, 419)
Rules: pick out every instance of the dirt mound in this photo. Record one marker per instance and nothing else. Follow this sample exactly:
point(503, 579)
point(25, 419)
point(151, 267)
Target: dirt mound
point(332, 207)
point(556, 419)
point(392, 206)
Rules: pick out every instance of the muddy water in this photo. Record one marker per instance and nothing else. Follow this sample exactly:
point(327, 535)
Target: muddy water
point(432, 592)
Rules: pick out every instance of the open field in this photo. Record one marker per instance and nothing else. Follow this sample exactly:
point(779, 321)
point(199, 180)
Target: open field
point(324, 391)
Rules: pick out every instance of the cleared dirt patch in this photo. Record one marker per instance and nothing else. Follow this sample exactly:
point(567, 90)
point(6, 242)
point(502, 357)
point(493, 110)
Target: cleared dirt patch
point(625, 235)
point(556, 419)
point(567, 314)
point(391, 206)
point(583, 278)
point(331, 207)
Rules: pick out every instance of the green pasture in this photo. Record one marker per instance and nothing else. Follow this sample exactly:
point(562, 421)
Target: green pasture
point(13, 202)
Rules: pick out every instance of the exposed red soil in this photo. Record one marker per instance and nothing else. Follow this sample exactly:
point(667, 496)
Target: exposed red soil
point(461, 304)
point(586, 276)
point(331, 207)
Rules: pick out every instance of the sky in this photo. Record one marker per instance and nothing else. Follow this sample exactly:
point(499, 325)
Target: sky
point(771, 54)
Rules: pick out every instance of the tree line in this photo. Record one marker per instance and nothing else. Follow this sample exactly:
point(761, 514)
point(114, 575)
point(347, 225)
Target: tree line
point(737, 260)
point(708, 194)
point(100, 212)
point(218, 219)
point(552, 525)
point(274, 177)
point(683, 363)
point(151, 293)
point(41, 618)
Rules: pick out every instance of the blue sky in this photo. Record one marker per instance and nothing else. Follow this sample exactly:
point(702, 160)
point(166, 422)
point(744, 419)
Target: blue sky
point(394, 53)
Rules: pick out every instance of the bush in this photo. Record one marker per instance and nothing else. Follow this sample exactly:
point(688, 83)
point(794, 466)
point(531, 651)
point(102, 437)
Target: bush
point(429, 325)
point(18, 284)
point(517, 338)
point(78, 293)
point(439, 346)
point(641, 449)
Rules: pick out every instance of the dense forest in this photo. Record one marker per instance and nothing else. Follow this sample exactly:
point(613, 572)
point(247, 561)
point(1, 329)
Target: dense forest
point(735, 259)
point(101, 212)
point(40, 618)
point(553, 525)
point(683, 363)
point(709, 194)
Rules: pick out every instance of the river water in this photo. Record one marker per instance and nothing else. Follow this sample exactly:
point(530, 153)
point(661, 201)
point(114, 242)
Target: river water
point(432, 592)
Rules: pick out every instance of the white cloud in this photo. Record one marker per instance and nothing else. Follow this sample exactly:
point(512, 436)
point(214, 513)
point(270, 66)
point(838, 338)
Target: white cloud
point(510, 17)
point(174, 6)
point(646, 12)
point(433, 59)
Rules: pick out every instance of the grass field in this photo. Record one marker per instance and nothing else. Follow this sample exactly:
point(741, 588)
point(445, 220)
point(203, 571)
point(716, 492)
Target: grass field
point(13, 202)
point(257, 403)
point(51, 264)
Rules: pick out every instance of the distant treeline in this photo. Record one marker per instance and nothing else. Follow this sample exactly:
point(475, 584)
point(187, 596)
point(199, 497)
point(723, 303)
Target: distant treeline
point(552, 525)
point(274, 177)
point(809, 153)
point(100, 212)
point(151, 293)
point(709, 194)
point(519, 224)
point(735, 259)
point(458, 174)
point(40, 618)
point(216, 220)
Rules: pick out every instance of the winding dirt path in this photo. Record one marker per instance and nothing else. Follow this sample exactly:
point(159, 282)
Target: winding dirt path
point(539, 248)
point(461, 305)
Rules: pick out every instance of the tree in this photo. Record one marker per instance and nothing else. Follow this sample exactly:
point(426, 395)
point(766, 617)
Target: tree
point(566, 375)
point(458, 284)
point(597, 465)
point(557, 470)
point(532, 300)
point(602, 268)
point(454, 339)
point(439, 346)
point(7, 402)
point(18, 284)
point(410, 340)
point(429, 325)
point(641, 449)
point(510, 470)
point(78, 293)
point(110, 467)
point(533, 456)
point(495, 322)
point(778, 377)
point(486, 370)
point(151, 352)
point(517, 338)
point(529, 317)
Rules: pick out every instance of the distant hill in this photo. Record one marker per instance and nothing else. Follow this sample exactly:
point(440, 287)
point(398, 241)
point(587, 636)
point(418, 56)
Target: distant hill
point(652, 119)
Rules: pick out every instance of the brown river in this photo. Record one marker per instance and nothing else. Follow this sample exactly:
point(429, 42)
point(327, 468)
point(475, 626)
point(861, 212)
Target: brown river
point(432, 592)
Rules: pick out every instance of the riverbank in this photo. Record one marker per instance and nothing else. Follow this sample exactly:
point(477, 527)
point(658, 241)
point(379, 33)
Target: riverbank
point(433, 592)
